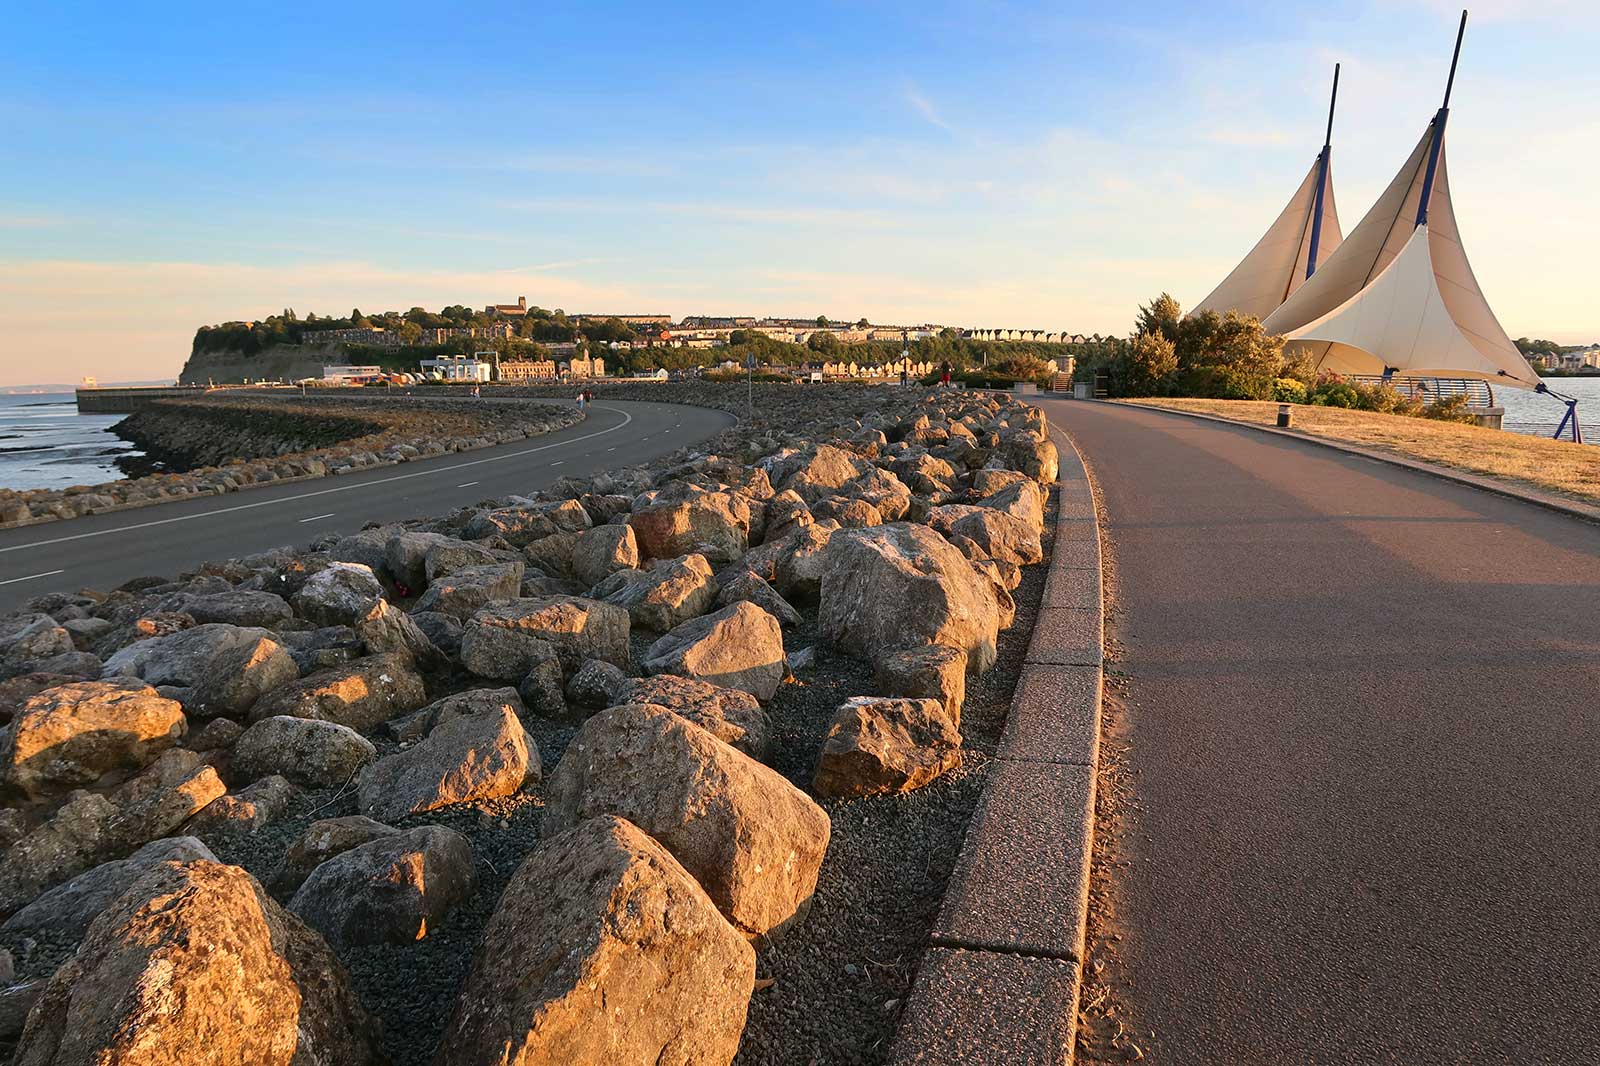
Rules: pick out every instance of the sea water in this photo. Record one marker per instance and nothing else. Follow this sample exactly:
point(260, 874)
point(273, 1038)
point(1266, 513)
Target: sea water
point(1537, 414)
point(46, 444)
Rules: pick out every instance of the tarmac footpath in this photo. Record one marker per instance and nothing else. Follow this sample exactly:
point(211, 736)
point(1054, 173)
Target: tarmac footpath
point(1363, 723)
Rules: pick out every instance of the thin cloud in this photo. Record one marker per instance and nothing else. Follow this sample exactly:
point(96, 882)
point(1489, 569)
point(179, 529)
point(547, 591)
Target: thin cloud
point(924, 107)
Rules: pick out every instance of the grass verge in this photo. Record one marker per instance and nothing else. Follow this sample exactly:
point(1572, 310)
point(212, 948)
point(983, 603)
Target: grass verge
point(1559, 467)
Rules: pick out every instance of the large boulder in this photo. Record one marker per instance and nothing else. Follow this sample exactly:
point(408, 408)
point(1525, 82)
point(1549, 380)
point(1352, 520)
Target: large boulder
point(1034, 454)
point(713, 524)
point(997, 534)
point(740, 646)
point(236, 607)
point(361, 694)
point(521, 526)
point(169, 792)
point(1023, 500)
point(933, 672)
point(196, 965)
point(504, 653)
point(405, 556)
point(900, 586)
point(603, 950)
point(802, 562)
point(73, 839)
point(472, 756)
point(579, 628)
point(669, 594)
point(309, 752)
point(338, 595)
point(71, 735)
point(246, 812)
point(749, 586)
point(29, 639)
point(878, 745)
point(321, 841)
point(214, 670)
point(602, 551)
point(825, 473)
point(391, 890)
point(445, 557)
point(349, 594)
point(462, 592)
point(753, 840)
point(66, 911)
point(734, 717)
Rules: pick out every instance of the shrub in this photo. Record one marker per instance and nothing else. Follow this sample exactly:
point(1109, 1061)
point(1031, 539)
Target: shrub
point(1448, 409)
point(1288, 390)
point(1143, 369)
point(1333, 392)
point(1224, 383)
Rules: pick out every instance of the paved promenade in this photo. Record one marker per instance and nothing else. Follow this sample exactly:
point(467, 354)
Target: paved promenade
point(102, 551)
point(1364, 726)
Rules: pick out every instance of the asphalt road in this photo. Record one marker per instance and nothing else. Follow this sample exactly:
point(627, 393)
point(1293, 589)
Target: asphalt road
point(102, 551)
point(1364, 726)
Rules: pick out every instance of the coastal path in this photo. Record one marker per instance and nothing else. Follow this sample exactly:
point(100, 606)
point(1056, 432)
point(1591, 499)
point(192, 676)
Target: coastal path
point(1360, 742)
point(102, 551)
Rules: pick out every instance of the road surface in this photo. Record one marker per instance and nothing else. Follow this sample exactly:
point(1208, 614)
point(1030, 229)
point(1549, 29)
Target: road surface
point(1364, 728)
point(102, 551)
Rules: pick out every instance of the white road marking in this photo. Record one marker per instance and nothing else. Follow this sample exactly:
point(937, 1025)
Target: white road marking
point(558, 462)
point(626, 418)
point(316, 518)
point(466, 484)
point(31, 577)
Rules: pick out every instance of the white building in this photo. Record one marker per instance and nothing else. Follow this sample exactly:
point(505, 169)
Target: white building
point(459, 368)
point(351, 374)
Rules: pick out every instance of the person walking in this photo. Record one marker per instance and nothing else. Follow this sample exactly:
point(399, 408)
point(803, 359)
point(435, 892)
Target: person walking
point(944, 375)
point(581, 397)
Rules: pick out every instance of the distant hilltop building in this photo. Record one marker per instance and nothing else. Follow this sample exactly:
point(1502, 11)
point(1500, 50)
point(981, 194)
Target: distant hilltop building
point(516, 310)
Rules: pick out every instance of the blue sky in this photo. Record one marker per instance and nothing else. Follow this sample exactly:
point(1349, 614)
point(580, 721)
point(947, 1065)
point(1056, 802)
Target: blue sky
point(1046, 166)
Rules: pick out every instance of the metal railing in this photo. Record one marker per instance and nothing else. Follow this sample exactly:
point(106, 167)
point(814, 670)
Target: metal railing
point(1478, 392)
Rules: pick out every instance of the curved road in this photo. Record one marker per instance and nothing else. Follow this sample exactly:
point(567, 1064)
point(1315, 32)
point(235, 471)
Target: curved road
point(102, 551)
point(1363, 720)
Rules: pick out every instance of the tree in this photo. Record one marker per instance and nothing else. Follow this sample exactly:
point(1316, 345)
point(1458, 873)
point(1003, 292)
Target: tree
point(824, 343)
point(1160, 317)
point(822, 321)
point(862, 323)
point(1145, 367)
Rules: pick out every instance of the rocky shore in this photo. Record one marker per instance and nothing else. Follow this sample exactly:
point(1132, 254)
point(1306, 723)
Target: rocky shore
point(667, 764)
point(213, 446)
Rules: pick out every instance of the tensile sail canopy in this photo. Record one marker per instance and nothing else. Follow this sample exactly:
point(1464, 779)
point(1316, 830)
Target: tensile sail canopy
point(1399, 294)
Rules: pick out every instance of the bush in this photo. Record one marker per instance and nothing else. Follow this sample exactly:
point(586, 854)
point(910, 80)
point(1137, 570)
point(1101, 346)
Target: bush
point(1144, 367)
point(1223, 383)
point(1288, 390)
point(1448, 409)
point(1333, 392)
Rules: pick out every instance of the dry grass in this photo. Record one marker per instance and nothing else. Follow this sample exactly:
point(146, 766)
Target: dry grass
point(1566, 469)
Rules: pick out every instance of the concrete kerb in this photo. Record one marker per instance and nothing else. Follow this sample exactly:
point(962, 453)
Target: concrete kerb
point(1000, 978)
point(1547, 500)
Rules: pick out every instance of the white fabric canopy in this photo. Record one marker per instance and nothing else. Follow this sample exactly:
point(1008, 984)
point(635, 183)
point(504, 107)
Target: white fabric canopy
point(1401, 295)
point(1276, 266)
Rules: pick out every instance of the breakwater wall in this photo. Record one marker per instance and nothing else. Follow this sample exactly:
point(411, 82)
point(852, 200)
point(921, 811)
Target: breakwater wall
point(117, 401)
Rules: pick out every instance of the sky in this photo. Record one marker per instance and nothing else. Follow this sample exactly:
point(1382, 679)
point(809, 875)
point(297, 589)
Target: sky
point(1043, 166)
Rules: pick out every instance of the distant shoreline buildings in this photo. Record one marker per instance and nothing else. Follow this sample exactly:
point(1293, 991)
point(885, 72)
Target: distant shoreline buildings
point(692, 331)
